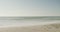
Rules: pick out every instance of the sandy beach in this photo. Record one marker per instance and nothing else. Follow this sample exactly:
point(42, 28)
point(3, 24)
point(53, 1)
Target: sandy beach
point(55, 27)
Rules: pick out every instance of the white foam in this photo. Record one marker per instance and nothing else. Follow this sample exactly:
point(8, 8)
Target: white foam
point(24, 23)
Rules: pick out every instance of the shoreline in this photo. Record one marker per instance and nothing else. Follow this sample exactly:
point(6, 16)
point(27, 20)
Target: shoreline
point(37, 28)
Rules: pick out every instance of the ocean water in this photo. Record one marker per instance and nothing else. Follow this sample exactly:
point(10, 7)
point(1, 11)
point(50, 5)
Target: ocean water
point(23, 21)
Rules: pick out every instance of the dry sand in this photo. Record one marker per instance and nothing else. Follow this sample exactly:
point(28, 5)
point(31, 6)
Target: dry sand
point(38, 28)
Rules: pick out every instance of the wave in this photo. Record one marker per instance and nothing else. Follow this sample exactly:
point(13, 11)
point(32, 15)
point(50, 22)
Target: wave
point(29, 18)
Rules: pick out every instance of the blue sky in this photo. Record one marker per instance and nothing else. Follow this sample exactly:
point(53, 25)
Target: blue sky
point(29, 7)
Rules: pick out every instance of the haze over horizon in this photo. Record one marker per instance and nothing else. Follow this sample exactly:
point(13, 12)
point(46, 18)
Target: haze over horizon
point(29, 7)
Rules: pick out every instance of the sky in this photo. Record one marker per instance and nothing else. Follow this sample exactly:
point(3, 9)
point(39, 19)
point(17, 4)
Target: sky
point(29, 7)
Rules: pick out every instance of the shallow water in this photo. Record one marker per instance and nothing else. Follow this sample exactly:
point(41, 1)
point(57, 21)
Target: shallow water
point(26, 21)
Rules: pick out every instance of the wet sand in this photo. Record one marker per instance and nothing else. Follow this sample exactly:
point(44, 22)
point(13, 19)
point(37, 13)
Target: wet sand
point(55, 27)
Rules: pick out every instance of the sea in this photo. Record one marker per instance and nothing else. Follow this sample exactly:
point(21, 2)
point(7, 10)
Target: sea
point(23, 21)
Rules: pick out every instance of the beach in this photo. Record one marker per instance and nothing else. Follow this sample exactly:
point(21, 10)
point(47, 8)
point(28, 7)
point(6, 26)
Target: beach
point(48, 27)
